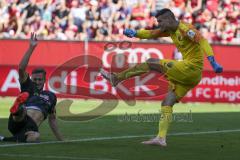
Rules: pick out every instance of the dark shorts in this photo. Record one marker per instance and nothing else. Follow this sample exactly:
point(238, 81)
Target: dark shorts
point(18, 129)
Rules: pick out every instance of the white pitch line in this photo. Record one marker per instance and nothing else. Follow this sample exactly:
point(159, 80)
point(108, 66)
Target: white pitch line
point(118, 137)
point(53, 157)
point(74, 140)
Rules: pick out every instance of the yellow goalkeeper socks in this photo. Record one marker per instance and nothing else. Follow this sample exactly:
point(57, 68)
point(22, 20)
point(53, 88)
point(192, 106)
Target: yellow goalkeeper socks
point(165, 120)
point(134, 71)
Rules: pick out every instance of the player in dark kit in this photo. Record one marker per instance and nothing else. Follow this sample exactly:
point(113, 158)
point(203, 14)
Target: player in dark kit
point(33, 105)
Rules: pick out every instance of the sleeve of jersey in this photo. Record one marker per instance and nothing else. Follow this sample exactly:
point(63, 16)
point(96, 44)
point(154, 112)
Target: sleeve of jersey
point(150, 34)
point(195, 36)
point(206, 47)
point(191, 32)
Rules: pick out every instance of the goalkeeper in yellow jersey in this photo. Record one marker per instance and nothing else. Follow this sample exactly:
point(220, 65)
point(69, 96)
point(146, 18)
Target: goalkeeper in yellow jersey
point(182, 75)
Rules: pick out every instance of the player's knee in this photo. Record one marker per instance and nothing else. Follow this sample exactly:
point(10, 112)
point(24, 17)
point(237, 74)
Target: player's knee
point(151, 61)
point(154, 64)
point(20, 117)
point(170, 100)
point(32, 136)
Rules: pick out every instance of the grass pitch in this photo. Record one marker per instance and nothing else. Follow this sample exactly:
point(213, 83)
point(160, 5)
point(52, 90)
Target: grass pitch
point(199, 131)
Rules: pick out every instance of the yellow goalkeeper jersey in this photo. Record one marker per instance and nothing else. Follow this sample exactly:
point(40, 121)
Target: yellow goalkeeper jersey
point(186, 74)
point(186, 38)
point(188, 41)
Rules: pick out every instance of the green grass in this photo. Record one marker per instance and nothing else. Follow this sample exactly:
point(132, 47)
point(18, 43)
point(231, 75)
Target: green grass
point(203, 117)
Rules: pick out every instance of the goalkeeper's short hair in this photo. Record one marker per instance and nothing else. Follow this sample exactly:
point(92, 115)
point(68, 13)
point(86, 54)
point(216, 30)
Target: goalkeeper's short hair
point(163, 11)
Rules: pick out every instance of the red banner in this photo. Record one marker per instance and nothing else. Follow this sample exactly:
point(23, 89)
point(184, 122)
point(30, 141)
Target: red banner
point(86, 83)
point(54, 53)
point(78, 84)
point(217, 88)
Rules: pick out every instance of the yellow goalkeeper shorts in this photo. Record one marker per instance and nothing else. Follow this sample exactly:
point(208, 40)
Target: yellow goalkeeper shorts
point(182, 76)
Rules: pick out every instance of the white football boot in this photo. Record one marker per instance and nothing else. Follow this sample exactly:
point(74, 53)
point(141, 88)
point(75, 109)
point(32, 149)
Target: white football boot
point(156, 141)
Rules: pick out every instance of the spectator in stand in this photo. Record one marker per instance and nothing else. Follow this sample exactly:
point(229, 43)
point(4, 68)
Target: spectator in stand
point(106, 10)
point(30, 10)
point(177, 11)
point(218, 20)
point(93, 12)
point(61, 15)
point(78, 13)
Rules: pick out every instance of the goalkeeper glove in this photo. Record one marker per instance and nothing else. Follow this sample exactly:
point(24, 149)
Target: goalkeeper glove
point(217, 67)
point(130, 33)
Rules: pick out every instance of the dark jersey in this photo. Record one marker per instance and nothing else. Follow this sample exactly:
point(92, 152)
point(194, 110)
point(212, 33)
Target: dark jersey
point(43, 101)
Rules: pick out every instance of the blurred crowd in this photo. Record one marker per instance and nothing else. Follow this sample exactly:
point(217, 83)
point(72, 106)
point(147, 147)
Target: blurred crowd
point(100, 20)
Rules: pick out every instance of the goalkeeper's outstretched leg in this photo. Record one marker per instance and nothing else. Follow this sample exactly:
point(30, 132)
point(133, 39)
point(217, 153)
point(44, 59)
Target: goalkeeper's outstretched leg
point(152, 64)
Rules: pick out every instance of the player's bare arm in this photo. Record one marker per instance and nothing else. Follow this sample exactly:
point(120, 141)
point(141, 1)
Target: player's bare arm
point(24, 62)
point(53, 125)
